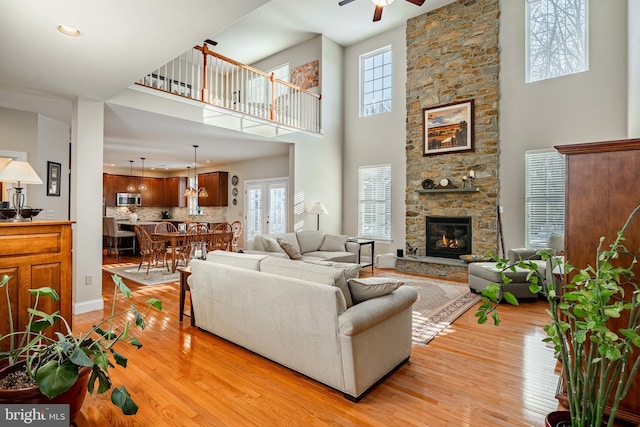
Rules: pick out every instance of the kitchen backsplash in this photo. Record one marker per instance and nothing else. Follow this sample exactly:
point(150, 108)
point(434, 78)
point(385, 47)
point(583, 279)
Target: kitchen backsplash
point(209, 214)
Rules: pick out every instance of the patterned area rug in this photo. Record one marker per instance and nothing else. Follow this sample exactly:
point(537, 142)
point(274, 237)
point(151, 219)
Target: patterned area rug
point(156, 275)
point(439, 304)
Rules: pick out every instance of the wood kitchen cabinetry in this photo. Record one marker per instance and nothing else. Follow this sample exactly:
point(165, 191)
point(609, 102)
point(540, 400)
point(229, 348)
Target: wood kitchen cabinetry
point(174, 189)
point(109, 189)
point(153, 195)
point(601, 191)
point(217, 185)
point(35, 254)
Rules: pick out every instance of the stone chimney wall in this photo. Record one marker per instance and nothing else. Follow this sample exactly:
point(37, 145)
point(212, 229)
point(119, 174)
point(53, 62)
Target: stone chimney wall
point(452, 56)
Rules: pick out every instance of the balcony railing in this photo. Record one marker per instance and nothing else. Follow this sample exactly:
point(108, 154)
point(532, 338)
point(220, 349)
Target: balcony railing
point(208, 77)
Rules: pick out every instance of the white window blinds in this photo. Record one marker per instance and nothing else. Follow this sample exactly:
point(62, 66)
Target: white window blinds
point(374, 202)
point(544, 194)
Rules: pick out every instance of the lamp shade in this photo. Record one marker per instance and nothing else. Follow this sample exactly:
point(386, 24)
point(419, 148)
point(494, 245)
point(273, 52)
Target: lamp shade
point(318, 209)
point(19, 172)
point(382, 2)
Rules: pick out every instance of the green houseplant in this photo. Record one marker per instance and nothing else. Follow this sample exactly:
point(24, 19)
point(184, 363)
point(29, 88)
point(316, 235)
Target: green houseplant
point(53, 364)
point(596, 364)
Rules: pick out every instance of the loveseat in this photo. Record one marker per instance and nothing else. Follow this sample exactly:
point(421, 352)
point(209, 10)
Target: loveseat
point(303, 316)
point(310, 245)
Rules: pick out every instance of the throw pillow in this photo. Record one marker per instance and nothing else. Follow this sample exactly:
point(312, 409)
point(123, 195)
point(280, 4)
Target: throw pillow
point(333, 243)
point(289, 249)
point(271, 245)
point(372, 287)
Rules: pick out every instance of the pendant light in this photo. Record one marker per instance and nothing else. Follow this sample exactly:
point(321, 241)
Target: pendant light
point(189, 192)
point(142, 187)
point(131, 188)
point(202, 192)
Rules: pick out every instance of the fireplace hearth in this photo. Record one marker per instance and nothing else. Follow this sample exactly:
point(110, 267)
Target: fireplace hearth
point(448, 237)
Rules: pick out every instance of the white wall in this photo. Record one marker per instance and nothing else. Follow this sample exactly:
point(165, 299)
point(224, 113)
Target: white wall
point(584, 107)
point(53, 146)
point(633, 50)
point(378, 139)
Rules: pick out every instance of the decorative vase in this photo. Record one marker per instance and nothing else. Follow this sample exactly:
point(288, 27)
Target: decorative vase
point(558, 419)
point(74, 397)
point(133, 217)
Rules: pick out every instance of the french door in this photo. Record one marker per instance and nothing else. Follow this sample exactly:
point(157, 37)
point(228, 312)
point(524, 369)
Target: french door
point(266, 204)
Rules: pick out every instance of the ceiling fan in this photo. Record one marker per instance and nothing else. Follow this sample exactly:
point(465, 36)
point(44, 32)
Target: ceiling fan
point(380, 4)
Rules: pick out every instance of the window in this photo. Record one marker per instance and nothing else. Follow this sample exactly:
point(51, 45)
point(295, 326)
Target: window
point(544, 196)
point(375, 82)
point(374, 202)
point(556, 38)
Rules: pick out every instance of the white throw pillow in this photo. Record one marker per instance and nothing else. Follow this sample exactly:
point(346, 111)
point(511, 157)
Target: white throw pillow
point(272, 245)
point(333, 243)
point(372, 287)
point(289, 249)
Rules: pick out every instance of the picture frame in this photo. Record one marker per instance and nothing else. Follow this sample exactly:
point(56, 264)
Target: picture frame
point(448, 128)
point(53, 178)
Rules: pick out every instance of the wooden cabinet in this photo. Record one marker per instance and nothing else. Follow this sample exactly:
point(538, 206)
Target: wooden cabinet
point(35, 254)
point(153, 195)
point(124, 181)
point(601, 191)
point(217, 185)
point(174, 189)
point(109, 189)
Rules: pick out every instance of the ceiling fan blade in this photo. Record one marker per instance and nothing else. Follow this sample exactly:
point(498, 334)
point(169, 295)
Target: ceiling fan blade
point(416, 2)
point(377, 14)
point(343, 2)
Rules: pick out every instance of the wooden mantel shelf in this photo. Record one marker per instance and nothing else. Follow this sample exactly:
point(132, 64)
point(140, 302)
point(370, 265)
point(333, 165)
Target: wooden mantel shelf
point(448, 190)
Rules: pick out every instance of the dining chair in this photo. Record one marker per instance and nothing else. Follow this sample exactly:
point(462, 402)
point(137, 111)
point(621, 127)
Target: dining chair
point(220, 238)
point(153, 251)
point(169, 227)
point(197, 232)
point(236, 229)
point(114, 235)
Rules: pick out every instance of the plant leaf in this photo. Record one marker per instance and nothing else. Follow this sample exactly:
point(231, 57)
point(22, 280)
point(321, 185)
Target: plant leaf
point(122, 399)
point(124, 290)
point(155, 303)
point(45, 292)
point(54, 379)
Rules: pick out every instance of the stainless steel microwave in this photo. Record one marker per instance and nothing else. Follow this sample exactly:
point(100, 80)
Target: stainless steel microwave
point(126, 199)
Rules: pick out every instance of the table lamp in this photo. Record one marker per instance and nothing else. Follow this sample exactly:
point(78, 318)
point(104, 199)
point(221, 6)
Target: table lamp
point(19, 172)
point(318, 209)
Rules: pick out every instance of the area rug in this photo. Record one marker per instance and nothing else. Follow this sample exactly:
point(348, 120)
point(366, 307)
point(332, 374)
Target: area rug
point(156, 275)
point(439, 304)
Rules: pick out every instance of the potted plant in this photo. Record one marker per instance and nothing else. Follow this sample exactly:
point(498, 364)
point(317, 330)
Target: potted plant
point(596, 365)
point(51, 368)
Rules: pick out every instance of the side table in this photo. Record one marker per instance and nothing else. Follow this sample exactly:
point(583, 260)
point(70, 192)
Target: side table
point(185, 272)
point(363, 242)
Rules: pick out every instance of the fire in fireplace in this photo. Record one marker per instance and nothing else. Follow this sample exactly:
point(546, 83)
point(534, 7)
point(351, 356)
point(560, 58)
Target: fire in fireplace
point(448, 237)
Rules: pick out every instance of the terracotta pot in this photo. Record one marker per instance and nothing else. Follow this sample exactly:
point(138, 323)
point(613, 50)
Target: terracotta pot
point(74, 397)
point(558, 419)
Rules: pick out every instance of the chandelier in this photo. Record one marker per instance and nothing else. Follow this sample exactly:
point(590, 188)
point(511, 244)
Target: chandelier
point(142, 187)
point(131, 188)
point(195, 191)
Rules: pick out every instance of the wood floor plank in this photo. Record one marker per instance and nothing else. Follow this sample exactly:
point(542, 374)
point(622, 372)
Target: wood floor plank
point(469, 375)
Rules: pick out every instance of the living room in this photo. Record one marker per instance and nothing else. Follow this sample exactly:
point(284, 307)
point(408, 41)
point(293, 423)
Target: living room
point(592, 106)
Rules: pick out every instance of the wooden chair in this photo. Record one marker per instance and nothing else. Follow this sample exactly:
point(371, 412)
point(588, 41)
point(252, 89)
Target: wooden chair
point(153, 251)
point(221, 237)
point(236, 228)
point(169, 227)
point(197, 232)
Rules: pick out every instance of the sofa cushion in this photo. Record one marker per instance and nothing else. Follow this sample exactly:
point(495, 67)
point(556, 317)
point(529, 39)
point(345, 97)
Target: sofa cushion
point(334, 243)
point(372, 287)
point(289, 249)
point(242, 260)
point(331, 256)
point(351, 270)
point(489, 271)
point(310, 240)
point(311, 272)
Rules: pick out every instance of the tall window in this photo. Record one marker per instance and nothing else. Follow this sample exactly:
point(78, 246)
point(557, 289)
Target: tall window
point(374, 202)
point(375, 82)
point(544, 196)
point(556, 38)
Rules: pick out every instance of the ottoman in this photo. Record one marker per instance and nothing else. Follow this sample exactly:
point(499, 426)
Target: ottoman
point(483, 273)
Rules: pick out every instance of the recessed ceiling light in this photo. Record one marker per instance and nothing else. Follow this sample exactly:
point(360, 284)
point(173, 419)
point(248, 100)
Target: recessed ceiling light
point(69, 30)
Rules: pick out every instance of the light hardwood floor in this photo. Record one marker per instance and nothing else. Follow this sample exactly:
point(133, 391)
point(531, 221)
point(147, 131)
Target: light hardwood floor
point(469, 375)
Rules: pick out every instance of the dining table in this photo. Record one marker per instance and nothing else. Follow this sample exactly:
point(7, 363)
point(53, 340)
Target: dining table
point(175, 239)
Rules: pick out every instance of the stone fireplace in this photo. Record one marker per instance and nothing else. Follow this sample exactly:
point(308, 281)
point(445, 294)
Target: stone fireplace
point(452, 55)
point(448, 237)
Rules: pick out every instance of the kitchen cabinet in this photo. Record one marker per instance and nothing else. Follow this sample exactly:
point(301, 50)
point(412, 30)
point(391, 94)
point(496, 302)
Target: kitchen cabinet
point(123, 182)
point(153, 195)
point(601, 191)
point(174, 189)
point(35, 254)
point(109, 189)
point(217, 185)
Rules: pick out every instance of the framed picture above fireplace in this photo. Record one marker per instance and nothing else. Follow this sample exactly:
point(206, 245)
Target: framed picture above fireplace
point(448, 128)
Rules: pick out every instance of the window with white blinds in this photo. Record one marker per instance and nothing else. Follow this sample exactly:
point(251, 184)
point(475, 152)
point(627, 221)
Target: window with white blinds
point(374, 202)
point(544, 196)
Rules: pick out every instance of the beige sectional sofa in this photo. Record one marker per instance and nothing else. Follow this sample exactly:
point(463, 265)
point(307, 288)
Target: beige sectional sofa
point(312, 245)
point(301, 315)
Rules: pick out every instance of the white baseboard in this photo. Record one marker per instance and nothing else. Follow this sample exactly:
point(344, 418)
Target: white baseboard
point(87, 306)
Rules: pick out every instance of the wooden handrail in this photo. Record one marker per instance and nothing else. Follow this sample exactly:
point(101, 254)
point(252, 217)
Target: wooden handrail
point(206, 51)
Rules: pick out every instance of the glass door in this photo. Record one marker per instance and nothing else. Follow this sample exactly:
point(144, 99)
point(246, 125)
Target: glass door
point(267, 207)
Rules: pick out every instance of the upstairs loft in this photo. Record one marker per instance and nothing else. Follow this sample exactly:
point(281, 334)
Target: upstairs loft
point(236, 96)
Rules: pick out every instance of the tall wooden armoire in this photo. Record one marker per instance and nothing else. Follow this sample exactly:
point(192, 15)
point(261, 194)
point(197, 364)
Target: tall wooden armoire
point(602, 188)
